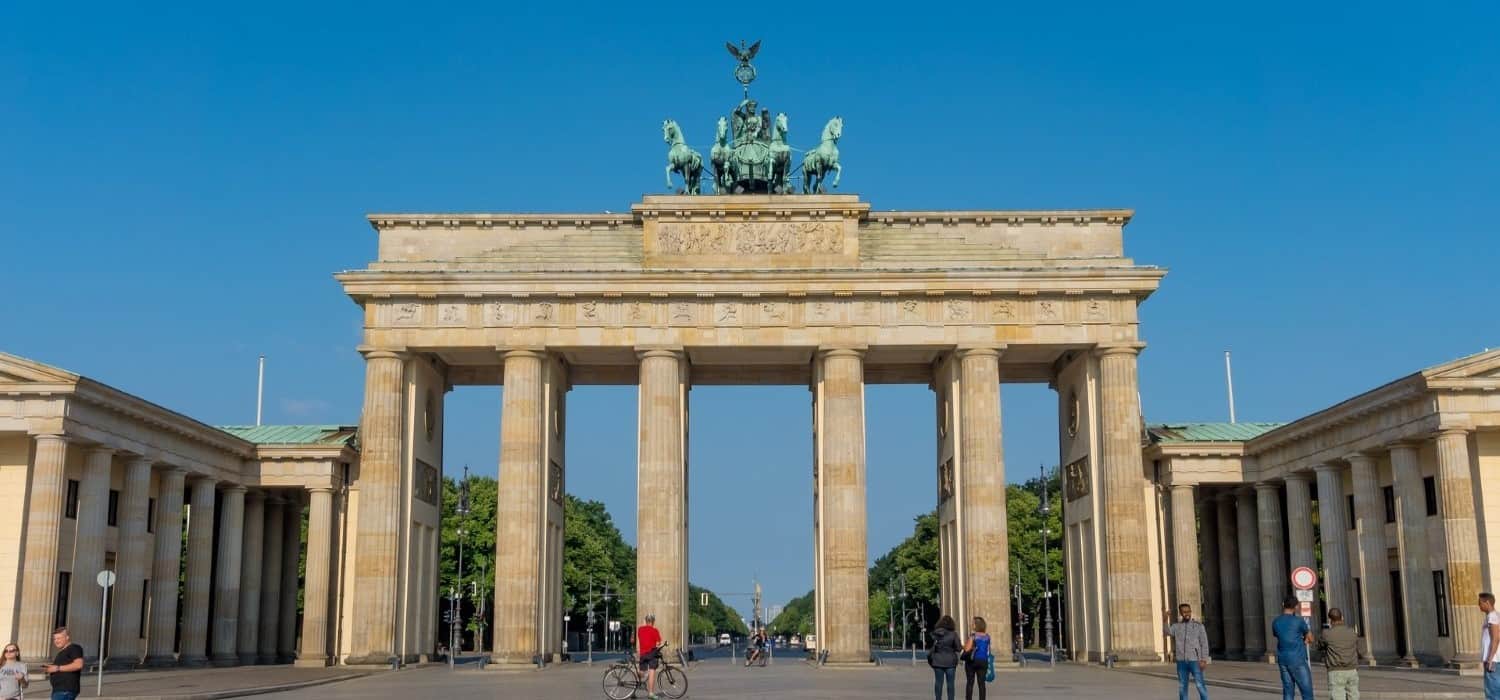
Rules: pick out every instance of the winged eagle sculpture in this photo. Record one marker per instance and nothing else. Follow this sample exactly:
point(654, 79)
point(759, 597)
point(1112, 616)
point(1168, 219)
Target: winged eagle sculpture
point(742, 54)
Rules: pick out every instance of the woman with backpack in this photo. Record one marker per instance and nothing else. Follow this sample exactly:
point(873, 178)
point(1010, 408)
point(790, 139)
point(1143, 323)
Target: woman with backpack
point(976, 658)
point(943, 656)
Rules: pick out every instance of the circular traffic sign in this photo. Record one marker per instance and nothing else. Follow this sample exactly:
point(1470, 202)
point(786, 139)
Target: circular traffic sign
point(1304, 578)
point(106, 578)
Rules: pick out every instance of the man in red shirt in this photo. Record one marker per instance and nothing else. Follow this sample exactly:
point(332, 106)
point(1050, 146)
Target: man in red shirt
point(648, 648)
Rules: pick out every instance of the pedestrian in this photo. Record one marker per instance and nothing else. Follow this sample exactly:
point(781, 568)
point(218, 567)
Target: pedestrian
point(1489, 645)
point(648, 647)
point(976, 657)
point(1190, 648)
point(13, 678)
point(65, 673)
point(943, 656)
point(1292, 637)
point(1340, 647)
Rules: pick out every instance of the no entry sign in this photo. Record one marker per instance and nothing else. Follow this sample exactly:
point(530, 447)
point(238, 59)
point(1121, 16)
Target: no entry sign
point(1304, 579)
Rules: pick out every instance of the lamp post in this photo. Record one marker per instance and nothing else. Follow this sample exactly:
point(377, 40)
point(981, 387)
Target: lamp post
point(1046, 574)
point(890, 625)
point(903, 610)
point(455, 635)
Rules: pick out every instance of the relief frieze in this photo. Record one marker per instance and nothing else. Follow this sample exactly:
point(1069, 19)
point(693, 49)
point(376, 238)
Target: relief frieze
point(749, 238)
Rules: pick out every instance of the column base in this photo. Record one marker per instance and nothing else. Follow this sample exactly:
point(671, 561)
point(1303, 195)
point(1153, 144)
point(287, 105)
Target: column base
point(225, 660)
point(312, 662)
point(285, 657)
point(193, 661)
point(848, 665)
point(1132, 657)
point(265, 659)
point(115, 663)
point(247, 659)
point(161, 661)
point(377, 658)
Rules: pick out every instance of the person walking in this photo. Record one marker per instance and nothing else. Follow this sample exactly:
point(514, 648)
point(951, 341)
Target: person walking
point(1190, 648)
point(976, 655)
point(1292, 637)
point(1489, 646)
point(65, 673)
point(943, 656)
point(648, 649)
point(1340, 647)
point(13, 677)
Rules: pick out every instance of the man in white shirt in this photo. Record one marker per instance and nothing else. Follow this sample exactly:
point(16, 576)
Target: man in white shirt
point(1489, 646)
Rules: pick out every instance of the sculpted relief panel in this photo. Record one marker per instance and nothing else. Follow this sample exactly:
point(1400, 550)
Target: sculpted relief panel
point(749, 238)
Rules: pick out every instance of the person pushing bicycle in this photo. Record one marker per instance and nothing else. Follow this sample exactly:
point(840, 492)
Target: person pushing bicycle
point(648, 645)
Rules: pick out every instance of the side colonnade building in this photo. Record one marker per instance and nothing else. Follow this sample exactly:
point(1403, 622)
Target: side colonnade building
point(1392, 496)
point(97, 479)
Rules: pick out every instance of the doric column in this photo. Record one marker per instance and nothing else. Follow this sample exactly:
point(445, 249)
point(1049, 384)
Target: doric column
point(661, 482)
point(252, 562)
point(1229, 578)
point(291, 555)
point(842, 536)
point(982, 536)
point(1378, 615)
point(320, 528)
point(200, 555)
point(270, 581)
point(1208, 542)
point(518, 522)
point(131, 563)
point(1252, 601)
point(376, 547)
point(88, 551)
point(166, 567)
point(1185, 551)
point(1133, 624)
point(1274, 583)
point(44, 515)
point(1456, 486)
point(1416, 567)
point(1338, 587)
point(1299, 522)
point(228, 575)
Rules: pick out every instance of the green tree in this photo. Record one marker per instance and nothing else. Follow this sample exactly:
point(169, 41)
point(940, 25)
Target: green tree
point(1023, 506)
point(796, 617)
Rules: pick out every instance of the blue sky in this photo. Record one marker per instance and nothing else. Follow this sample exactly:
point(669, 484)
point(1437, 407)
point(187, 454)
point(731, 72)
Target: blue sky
point(179, 187)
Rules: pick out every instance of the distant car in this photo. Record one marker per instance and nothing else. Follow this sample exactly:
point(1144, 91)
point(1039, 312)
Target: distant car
point(796, 640)
point(724, 640)
point(812, 641)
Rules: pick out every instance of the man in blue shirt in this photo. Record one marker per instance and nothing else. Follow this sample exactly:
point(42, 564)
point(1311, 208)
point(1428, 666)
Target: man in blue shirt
point(1292, 637)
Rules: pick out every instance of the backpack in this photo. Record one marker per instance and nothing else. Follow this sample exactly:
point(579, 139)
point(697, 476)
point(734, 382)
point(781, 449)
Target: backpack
point(981, 647)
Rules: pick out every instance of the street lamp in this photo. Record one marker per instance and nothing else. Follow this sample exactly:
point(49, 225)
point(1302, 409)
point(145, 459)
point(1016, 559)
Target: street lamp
point(1046, 570)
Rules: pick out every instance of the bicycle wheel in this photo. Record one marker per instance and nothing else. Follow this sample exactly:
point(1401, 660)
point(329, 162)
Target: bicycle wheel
point(619, 683)
point(672, 682)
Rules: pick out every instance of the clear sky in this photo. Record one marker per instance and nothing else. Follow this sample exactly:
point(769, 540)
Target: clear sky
point(177, 188)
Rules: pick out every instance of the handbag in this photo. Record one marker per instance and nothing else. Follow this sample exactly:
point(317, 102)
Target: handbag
point(989, 674)
point(965, 655)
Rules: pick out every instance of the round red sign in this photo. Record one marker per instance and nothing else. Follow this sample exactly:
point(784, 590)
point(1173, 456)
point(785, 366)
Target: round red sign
point(1304, 579)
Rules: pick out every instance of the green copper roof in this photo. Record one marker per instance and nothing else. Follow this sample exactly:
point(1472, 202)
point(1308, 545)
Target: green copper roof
point(292, 434)
point(1209, 432)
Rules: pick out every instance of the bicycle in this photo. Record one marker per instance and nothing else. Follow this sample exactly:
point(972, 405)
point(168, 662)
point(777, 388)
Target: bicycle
point(624, 677)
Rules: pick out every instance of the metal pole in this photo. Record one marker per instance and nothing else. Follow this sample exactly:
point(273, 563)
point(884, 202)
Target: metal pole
point(260, 388)
point(1229, 379)
point(1046, 570)
point(103, 625)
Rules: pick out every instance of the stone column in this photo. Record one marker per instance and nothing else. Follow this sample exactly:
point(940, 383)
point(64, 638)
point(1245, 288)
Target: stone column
point(1252, 598)
point(1456, 489)
point(981, 492)
point(377, 533)
point(228, 575)
point(125, 618)
point(1185, 551)
point(1374, 567)
point(291, 556)
point(1338, 587)
point(166, 566)
point(845, 550)
point(88, 551)
point(1299, 522)
point(1208, 539)
point(1274, 582)
point(252, 562)
point(1133, 625)
point(1416, 567)
point(518, 522)
point(199, 581)
point(1229, 578)
point(315, 595)
point(44, 514)
point(270, 581)
point(661, 563)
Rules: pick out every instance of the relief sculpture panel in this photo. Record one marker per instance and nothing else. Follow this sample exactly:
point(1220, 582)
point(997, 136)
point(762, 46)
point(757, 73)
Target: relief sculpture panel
point(749, 238)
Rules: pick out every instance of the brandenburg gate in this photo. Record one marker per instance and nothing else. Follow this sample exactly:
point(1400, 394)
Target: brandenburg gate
point(761, 288)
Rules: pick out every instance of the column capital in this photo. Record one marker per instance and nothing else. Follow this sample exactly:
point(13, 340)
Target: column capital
point(1303, 477)
point(964, 351)
point(857, 351)
point(372, 352)
point(1267, 486)
point(141, 459)
point(1130, 348)
point(101, 450)
point(1360, 460)
point(1182, 487)
point(1225, 497)
point(237, 488)
point(1408, 444)
point(320, 489)
point(1454, 431)
point(58, 437)
point(203, 478)
point(1246, 491)
point(254, 495)
point(506, 351)
point(1328, 467)
point(673, 351)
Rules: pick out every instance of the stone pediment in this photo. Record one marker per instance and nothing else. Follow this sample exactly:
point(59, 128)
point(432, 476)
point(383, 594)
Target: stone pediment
point(19, 370)
point(1478, 371)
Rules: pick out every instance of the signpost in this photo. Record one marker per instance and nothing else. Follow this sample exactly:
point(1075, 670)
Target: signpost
point(105, 579)
point(1304, 580)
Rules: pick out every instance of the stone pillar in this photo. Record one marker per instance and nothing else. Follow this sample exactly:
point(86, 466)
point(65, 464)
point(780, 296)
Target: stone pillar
point(518, 522)
point(315, 595)
point(44, 515)
point(661, 561)
point(1456, 489)
point(1299, 522)
point(252, 562)
point(1416, 567)
point(1338, 587)
point(375, 569)
point(291, 556)
point(166, 566)
point(1212, 613)
point(270, 580)
point(88, 551)
point(1133, 624)
point(1274, 581)
point(125, 617)
point(983, 537)
point(1185, 551)
point(228, 575)
point(1378, 615)
point(1252, 598)
point(841, 440)
point(199, 581)
point(1229, 578)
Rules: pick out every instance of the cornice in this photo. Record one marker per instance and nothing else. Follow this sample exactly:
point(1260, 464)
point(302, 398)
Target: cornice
point(1405, 389)
point(116, 401)
point(749, 208)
